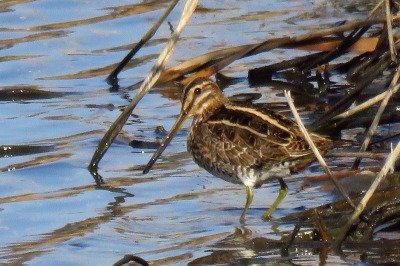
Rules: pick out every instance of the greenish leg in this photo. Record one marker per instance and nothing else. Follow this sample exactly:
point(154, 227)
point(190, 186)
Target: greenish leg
point(282, 194)
point(249, 199)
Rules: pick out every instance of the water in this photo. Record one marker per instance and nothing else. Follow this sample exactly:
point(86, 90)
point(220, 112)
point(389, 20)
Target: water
point(50, 209)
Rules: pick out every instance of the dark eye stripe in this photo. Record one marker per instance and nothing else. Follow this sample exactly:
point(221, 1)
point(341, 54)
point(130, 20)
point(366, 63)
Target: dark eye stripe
point(200, 82)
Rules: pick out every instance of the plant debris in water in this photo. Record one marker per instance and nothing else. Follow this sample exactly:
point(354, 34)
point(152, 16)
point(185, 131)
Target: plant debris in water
point(343, 75)
point(21, 93)
point(373, 60)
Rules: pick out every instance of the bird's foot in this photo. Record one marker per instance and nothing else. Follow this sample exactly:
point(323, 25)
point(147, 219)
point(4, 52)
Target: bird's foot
point(267, 216)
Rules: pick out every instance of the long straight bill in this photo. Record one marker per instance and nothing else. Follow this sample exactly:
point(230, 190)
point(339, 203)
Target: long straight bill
point(175, 128)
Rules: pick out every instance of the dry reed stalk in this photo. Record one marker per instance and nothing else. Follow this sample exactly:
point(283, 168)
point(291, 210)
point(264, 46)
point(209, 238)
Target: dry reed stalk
point(150, 33)
point(315, 149)
point(370, 155)
point(363, 203)
point(374, 125)
point(361, 107)
point(150, 80)
point(219, 65)
point(376, 7)
point(393, 51)
point(370, 73)
point(193, 64)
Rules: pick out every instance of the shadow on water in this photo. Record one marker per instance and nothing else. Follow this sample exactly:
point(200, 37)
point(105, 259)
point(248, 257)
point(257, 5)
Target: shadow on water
point(56, 105)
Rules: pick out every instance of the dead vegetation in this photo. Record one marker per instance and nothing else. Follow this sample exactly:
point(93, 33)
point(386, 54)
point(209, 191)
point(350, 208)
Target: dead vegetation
point(362, 59)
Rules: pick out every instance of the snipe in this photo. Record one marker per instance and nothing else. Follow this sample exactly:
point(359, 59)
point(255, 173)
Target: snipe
point(241, 144)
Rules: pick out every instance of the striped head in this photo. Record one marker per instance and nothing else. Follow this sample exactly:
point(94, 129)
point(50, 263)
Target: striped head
point(200, 97)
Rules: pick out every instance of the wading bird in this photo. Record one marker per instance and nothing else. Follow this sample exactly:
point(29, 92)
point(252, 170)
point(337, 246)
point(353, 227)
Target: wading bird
point(239, 143)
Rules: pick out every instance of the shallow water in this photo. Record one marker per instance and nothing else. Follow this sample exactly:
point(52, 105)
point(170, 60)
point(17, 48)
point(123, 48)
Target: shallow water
point(55, 107)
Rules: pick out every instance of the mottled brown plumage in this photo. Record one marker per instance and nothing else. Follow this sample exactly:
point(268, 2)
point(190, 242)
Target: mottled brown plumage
point(241, 144)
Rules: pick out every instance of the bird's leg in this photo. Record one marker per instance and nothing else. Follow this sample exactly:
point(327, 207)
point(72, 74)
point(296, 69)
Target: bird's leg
point(249, 199)
point(282, 194)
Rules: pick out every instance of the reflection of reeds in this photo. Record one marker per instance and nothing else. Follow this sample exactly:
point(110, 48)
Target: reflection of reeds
point(6, 5)
point(95, 72)
point(39, 160)
point(50, 146)
point(17, 57)
point(114, 12)
point(25, 251)
point(34, 37)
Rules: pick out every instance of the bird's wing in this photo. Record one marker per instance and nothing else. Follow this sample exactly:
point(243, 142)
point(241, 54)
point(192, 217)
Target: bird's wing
point(240, 146)
point(251, 136)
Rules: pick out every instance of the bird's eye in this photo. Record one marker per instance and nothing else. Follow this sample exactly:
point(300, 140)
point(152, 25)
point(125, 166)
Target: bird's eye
point(197, 91)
